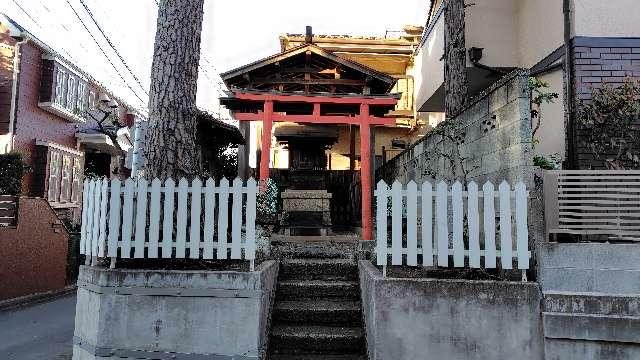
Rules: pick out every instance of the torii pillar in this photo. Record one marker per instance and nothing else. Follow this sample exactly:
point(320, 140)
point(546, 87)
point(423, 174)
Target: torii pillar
point(365, 172)
point(265, 152)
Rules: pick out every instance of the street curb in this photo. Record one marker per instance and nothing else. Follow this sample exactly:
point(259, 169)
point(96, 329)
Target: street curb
point(34, 299)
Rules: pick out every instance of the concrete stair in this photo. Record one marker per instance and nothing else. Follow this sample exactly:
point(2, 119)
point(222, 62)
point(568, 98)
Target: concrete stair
point(319, 288)
point(317, 312)
point(318, 269)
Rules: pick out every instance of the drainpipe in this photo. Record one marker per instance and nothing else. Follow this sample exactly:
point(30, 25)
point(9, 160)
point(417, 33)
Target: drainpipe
point(568, 72)
point(475, 55)
point(14, 91)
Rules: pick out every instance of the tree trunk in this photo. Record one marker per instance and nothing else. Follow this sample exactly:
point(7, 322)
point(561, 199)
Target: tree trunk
point(172, 149)
point(455, 58)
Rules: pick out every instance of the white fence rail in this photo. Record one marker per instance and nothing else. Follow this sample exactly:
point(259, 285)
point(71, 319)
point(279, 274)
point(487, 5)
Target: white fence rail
point(137, 219)
point(440, 222)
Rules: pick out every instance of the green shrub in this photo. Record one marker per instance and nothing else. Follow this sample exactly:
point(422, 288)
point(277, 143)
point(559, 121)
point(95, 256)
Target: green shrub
point(12, 169)
point(611, 121)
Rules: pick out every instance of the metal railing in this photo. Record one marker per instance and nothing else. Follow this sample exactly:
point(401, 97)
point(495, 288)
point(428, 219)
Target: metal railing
point(599, 205)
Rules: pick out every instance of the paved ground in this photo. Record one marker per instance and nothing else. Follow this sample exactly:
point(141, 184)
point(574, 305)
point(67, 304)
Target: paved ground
point(40, 332)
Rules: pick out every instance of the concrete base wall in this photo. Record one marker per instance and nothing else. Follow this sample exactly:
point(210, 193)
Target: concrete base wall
point(450, 319)
point(590, 267)
point(591, 307)
point(173, 314)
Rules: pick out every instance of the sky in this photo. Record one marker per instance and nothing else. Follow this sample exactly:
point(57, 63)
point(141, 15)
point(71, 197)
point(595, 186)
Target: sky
point(235, 32)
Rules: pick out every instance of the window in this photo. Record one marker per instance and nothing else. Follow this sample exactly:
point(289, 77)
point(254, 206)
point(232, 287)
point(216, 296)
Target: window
point(70, 93)
point(92, 100)
point(54, 169)
point(59, 99)
point(65, 180)
point(65, 176)
point(80, 103)
point(76, 189)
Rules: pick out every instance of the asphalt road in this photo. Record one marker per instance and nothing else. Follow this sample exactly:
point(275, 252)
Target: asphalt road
point(39, 332)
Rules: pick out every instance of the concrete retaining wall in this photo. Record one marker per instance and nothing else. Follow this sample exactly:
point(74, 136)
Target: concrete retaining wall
point(450, 319)
point(496, 133)
point(590, 267)
point(591, 307)
point(173, 314)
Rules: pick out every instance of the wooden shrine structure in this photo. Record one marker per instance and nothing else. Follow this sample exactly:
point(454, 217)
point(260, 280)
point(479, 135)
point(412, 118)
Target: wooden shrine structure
point(308, 85)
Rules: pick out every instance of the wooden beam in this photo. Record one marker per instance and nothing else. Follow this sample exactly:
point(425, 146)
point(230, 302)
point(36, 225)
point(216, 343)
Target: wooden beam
point(307, 81)
point(310, 70)
point(316, 119)
point(307, 76)
point(316, 99)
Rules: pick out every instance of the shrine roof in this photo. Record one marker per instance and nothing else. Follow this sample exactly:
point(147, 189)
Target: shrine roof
point(311, 69)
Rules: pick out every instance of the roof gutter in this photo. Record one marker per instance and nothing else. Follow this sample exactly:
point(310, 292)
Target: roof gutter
point(14, 92)
point(568, 71)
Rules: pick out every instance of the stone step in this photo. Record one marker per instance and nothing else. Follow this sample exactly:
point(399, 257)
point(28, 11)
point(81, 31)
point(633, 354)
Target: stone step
point(591, 303)
point(311, 269)
point(295, 289)
point(297, 251)
point(306, 339)
point(317, 357)
point(337, 312)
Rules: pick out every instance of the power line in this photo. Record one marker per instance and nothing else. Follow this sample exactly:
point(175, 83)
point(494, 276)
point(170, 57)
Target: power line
point(113, 47)
point(103, 52)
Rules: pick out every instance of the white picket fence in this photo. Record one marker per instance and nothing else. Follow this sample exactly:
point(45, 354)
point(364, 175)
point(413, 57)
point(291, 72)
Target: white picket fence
point(449, 211)
point(119, 218)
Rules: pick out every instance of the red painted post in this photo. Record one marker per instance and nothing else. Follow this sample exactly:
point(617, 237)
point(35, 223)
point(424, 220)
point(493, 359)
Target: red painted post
point(365, 173)
point(265, 154)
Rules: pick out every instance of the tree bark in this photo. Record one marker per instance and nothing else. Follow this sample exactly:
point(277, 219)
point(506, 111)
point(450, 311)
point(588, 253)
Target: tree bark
point(172, 149)
point(455, 58)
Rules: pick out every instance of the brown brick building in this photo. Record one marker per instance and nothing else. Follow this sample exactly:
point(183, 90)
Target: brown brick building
point(44, 99)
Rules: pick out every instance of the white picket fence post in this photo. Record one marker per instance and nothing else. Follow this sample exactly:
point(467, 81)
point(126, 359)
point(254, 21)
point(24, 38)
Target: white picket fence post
point(149, 219)
point(448, 217)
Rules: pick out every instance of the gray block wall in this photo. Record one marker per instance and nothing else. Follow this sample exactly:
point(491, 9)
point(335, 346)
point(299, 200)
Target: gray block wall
point(497, 140)
point(185, 314)
point(450, 319)
point(591, 307)
point(589, 267)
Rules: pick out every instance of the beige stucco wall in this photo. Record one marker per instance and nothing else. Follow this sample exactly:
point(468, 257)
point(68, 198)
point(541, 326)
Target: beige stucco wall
point(491, 24)
point(384, 135)
point(552, 125)
point(540, 30)
point(428, 68)
point(615, 18)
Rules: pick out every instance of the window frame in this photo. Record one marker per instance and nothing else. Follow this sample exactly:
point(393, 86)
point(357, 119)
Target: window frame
point(71, 99)
point(91, 104)
point(52, 178)
point(80, 97)
point(77, 177)
point(65, 179)
point(59, 98)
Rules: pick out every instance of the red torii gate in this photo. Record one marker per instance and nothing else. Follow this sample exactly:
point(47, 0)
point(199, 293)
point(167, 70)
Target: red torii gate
point(363, 119)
